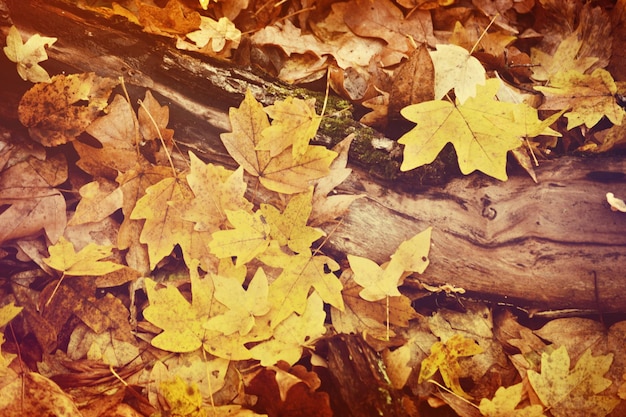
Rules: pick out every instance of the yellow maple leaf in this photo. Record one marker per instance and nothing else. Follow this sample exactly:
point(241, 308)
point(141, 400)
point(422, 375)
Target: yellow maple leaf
point(249, 238)
point(28, 55)
point(293, 334)
point(300, 273)
point(87, 261)
point(589, 96)
point(180, 320)
point(215, 31)
point(243, 305)
point(564, 59)
point(165, 227)
point(505, 401)
point(282, 173)
point(215, 189)
point(481, 130)
point(377, 282)
point(289, 228)
point(444, 357)
point(294, 124)
point(575, 392)
point(456, 69)
point(7, 313)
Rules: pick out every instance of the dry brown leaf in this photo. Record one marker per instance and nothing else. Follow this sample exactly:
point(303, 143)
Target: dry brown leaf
point(34, 204)
point(174, 19)
point(58, 112)
point(413, 82)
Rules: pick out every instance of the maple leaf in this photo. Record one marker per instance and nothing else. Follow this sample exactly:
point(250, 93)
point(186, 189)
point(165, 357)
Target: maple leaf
point(292, 334)
point(481, 129)
point(444, 357)
point(7, 313)
point(180, 320)
point(243, 305)
point(99, 199)
point(504, 403)
point(300, 273)
point(248, 239)
point(294, 123)
point(289, 228)
point(377, 282)
point(87, 261)
point(456, 69)
point(165, 226)
point(590, 97)
point(215, 189)
point(573, 392)
point(58, 112)
point(217, 32)
point(565, 58)
point(282, 173)
point(32, 202)
point(28, 55)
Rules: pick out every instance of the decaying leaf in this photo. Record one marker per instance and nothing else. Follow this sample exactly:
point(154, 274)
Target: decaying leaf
point(444, 357)
point(28, 55)
point(58, 112)
point(87, 261)
point(590, 97)
point(573, 392)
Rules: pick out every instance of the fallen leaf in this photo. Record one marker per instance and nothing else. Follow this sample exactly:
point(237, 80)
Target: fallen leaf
point(590, 97)
point(413, 82)
point(377, 282)
point(33, 204)
point(456, 69)
point(617, 204)
point(218, 32)
point(504, 403)
point(574, 392)
point(87, 261)
point(243, 305)
point(482, 131)
point(249, 237)
point(565, 58)
point(300, 273)
point(293, 334)
point(99, 199)
point(282, 173)
point(444, 357)
point(28, 55)
point(289, 228)
point(58, 112)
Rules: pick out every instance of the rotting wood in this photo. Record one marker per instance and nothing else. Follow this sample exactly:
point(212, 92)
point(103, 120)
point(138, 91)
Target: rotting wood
point(552, 245)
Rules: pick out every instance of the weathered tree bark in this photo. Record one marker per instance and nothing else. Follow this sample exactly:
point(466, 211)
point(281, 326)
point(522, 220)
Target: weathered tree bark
point(551, 245)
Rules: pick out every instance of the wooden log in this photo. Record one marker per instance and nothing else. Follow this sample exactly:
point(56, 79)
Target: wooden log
point(551, 245)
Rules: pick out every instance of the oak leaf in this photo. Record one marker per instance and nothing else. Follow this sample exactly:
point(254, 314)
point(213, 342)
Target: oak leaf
point(504, 403)
point(444, 357)
point(87, 261)
point(573, 392)
point(58, 112)
point(28, 55)
point(482, 131)
point(282, 173)
point(590, 97)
